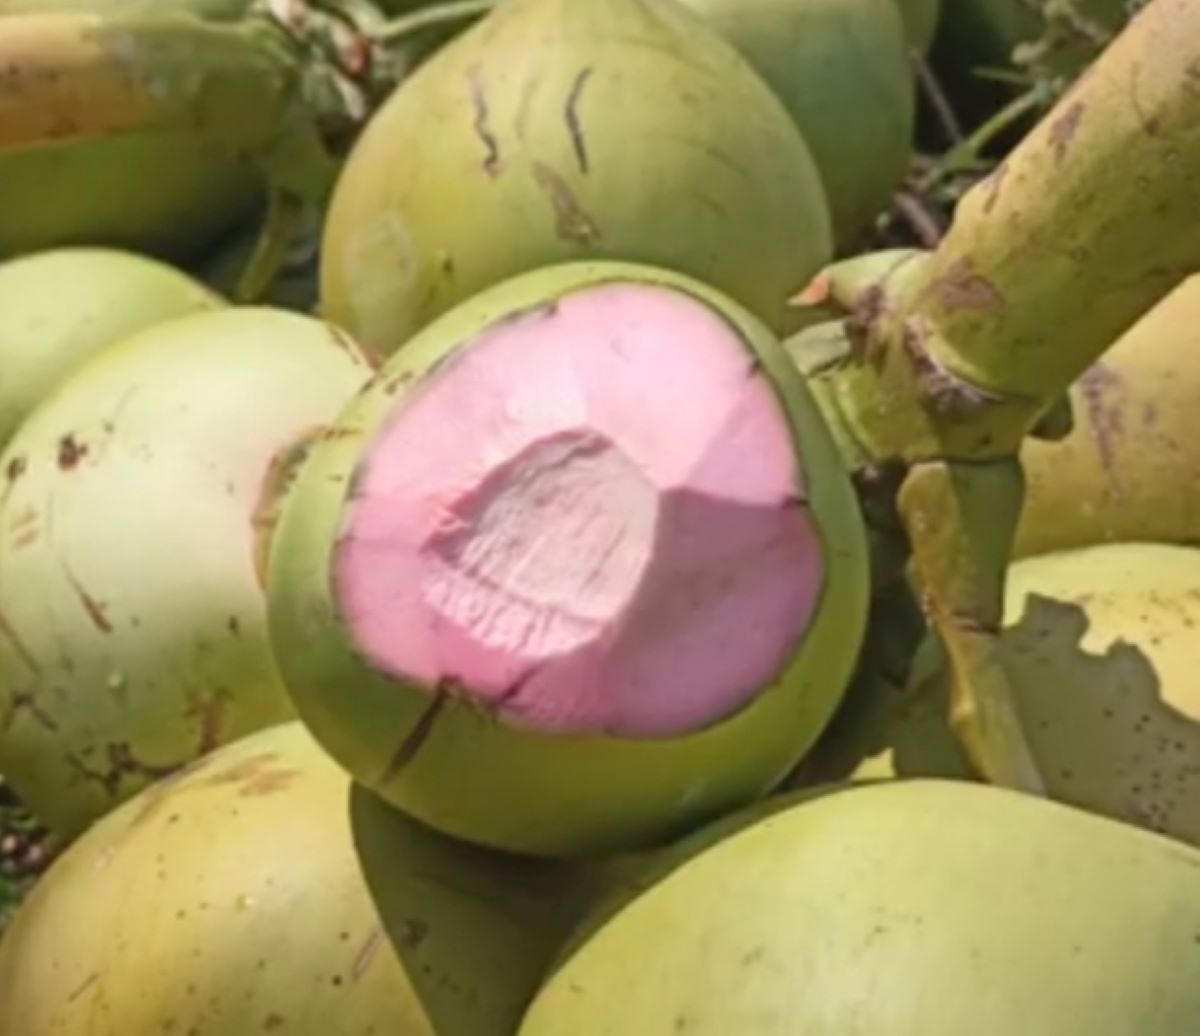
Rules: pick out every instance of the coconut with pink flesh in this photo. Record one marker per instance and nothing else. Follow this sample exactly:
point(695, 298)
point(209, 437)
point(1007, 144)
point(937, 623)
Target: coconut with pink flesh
point(579, 569)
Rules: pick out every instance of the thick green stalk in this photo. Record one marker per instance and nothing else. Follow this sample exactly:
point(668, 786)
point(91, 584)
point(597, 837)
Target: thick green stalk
point(949, 359)
point(1088, 223)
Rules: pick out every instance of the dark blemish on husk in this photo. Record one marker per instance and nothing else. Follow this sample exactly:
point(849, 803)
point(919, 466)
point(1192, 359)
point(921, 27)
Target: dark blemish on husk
point(121, 763)
point(16, 468)
point(267, 782)
point(412, 932)
point(83, 987)
point(272, 1021)
point(27, 701)
point(244, 770)
point(1107, 421)
point(961, 288)
point(95, 609)
point(491, 158)
point(968, 622)
point(211, 713)
point(70, 452)
point(411, 746)
point(945, 390)
point(362, 959)
point(571, 113)
point(995, 184)
point(398, 382)
point(234, 626)
point(1064, 128)
point(572, 223)
point(860, 323)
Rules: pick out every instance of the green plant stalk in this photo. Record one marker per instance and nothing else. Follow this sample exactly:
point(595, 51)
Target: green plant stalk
point(1082, 230)
point(451, 12)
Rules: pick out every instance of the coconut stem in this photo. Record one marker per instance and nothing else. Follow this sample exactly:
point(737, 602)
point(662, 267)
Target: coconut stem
point(1083, 229)
point(438, 16)
point(947, 367)
point(963, 518)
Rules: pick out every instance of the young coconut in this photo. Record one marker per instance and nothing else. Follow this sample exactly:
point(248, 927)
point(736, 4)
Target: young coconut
point(1130, 467)
point(578, 570)
point(259, 892)
point(97, 191)
point(842, 70)
point(1100, 644)
point(134, 506)
point(59, 308)
point(929, 907)
point(920, 22)
point(223, 102)
point(567, 130)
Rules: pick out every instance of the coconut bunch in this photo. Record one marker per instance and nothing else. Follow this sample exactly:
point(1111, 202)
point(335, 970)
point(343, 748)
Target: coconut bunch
point(443, 659)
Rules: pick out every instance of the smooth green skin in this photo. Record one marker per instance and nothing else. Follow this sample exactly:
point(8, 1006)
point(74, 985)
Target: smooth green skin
point(165, 194)
point(1130, 467)
point(921, 21)
point(1100, 645)
point(921, 908)
point(132, 626)
point(481, 780)
point(61, 307)
point(841, 68)
point(169, 194)
point(691, 164)
point(259, 892)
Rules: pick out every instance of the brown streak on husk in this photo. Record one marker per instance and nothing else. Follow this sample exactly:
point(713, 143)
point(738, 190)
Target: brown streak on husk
point(93, 608)
point(571, 114)
point(961, 288)
point(1064, 128)
point(572, 222)
point(479, 106)
point(410, 747)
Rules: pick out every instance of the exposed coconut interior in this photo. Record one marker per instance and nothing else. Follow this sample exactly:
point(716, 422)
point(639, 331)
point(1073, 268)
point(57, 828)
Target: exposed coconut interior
point(591, 519)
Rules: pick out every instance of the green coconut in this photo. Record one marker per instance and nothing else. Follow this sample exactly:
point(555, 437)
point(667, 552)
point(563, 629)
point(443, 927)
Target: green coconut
point(1100, 643)
point(841, 68)
point(134, 503)
point(569, 130)
point(923, 907)
point(1130, 467)
point(259, 892)
point(167, 193)
point(482, 610)
point(920, 22)
point(60, 307)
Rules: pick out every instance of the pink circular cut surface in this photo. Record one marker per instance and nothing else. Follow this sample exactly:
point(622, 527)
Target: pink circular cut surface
point(590, 519)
